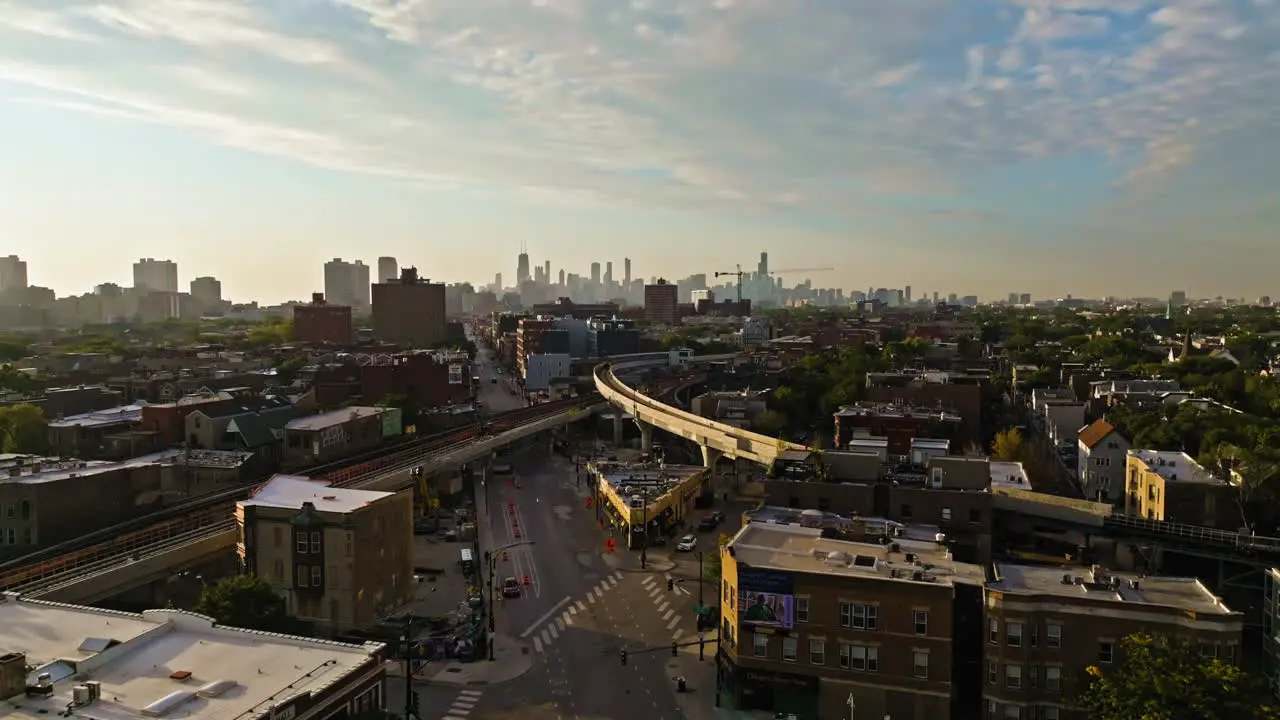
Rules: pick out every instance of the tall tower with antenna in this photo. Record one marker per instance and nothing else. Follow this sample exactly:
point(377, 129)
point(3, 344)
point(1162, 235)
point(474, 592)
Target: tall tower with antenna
point(522, 265)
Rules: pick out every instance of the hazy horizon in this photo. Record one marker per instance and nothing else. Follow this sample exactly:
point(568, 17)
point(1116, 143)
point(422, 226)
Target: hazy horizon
point(984, 147)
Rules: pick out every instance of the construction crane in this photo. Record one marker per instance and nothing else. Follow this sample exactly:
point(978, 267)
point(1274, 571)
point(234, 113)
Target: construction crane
point(735, 273)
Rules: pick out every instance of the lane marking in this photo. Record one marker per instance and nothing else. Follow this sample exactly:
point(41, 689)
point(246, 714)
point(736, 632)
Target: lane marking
point(674, 622)
point(580, 606)
point(591, 595)
point(537, 645)
point(543, 619)
point(654, 593)
point(648, 581)
point(677, 635)
point(552, 629)
point(686, 592)
point(471, 693)
point(613, 581)
point(663, 606)
point(617, 574)
point(568, 620)
point(560, 623)
point(669, 614)
point(546, 639)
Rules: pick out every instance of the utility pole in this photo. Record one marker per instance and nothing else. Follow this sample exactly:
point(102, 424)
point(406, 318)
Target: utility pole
point(644, 549)
point(410, 699)
point(700, 578)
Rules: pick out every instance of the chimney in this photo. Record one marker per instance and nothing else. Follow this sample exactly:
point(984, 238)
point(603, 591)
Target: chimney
point(408, 276)
point(317, 298)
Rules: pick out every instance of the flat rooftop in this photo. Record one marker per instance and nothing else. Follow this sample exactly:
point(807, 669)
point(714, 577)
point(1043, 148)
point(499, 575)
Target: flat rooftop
point(111, 416)
point(895, 410)
point(291, 491)
point(1176, 466)
point(792, 548)
point(133, 656)
point(36, 469)
point(332, 418)
point(1185, 593)
point(777, 515)
point(1009, 474)
point(658, 478)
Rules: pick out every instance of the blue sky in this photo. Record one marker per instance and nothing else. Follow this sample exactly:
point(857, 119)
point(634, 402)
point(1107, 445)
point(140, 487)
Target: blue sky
point(975, 146)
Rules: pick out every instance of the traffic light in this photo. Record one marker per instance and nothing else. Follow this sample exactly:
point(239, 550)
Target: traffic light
point(623, 655)
point(675, 648)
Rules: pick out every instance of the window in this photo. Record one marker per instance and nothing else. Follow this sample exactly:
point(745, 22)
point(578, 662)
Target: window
point(1052, 678)
point(1208, 650)
point(350, 543)
point(277, 536)
point(802, 609)
point(317, 580)
point(1106, 651)
point(26, 510)
point(946, 514)
point(1012, 712)
point(1035, 639)
point(760, 645)
point(863, 617)
point(993, 672)
point(303, 576)
point(280, 572)
point(1013, 676)
point(26, 538)
point(863, 658)
point(906, 512)
point(1050, 713)
point(789, 649)
point(975, 516)
point(315, 542)
point(920, 667)
point(921, 622)
point(725, 583)
point(1013, 634)
point(1053, 637)
point(302, 543)
point(993, 634)
point(846, 614)
point(817, 652)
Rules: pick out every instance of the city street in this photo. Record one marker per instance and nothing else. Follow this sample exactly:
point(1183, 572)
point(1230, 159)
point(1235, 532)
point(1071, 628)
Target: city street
point(494, 397)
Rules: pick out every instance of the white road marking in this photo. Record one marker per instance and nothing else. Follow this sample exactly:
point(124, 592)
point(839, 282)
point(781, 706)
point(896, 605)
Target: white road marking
point(580, 605)
point(537, 644)
point(471, 693)
point(654, 592)
point(452, 717)
point(617, 574)
point(647, 581)
point(560, 623)
point(677, 635)
point(552, 629)
point(591, 595)
point(674, 622)
point(669, 614)
point(461, 705)
point(543, 619)
point(686, 592)
point(663, 606)
point(568, 619)
point(613, 581)
point(546, 639)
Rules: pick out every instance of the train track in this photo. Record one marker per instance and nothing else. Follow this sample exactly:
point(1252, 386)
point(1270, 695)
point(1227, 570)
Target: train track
point(213, 514)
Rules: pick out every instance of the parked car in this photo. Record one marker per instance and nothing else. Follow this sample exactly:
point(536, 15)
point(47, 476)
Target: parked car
point(708, 522)
point(687, 543)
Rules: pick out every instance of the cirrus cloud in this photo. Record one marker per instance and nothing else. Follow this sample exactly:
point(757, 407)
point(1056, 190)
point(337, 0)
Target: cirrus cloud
point(835, 106)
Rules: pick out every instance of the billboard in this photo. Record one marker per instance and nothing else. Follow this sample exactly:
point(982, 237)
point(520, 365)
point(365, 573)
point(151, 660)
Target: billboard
point(455, 373)
point(766, 597)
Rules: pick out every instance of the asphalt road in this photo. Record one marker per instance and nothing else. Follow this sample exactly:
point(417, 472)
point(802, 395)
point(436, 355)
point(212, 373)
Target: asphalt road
point(495, 397)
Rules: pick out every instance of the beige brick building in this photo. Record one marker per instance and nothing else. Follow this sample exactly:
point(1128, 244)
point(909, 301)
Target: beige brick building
point(341, 558)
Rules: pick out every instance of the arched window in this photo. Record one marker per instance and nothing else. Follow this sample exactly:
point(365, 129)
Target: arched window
point(26, 510)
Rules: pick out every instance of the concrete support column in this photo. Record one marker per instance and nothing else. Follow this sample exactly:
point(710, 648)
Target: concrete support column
point(646, 435)
point(617, 428)
point(710, 456)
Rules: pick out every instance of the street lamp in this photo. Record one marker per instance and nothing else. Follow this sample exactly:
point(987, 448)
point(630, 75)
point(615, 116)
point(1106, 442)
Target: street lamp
point(644, 549)
point(493, 564)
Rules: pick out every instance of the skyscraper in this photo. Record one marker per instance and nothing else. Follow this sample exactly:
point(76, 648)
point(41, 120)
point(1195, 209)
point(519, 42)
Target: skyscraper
point(388, 269)
point(561, 277)
point(608, 272)
point(626, 272)
point(546, 272)
point(347, 284)
point(522, 266)
point(763, 268)
point(13, 273)
point(157, 275)
point(595, 273)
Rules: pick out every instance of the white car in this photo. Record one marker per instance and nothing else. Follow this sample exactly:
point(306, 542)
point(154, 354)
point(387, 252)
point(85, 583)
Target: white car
point(687, 544)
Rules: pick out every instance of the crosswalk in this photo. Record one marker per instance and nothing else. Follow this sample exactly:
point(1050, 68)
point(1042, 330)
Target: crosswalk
point(573, 612)
point(657, 590)
point(463, 705)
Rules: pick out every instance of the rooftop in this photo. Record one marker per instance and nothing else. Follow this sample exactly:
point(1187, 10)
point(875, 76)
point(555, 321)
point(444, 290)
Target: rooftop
point(1175, 466)
point(36, 469)
point(629, 478)
point(111, 416)
point(871, 526)
point(792, 548)
point(134, 657)
point(1185, 593)
point(291, 491)
point(332, 418)
point(1009, 474)
point(895, 410)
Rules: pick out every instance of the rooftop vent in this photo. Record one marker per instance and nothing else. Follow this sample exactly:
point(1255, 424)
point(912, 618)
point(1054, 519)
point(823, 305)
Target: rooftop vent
point(168, 703)
point(216, 688)
point(864, 561)
point(837, 559)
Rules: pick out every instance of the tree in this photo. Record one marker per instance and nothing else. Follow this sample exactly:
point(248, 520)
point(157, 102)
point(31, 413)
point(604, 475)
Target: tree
point(23, 429)
point(1009, 446)
point(771, 422)
point(245, 601)
point(711, 564)
point(1168, 679)
point(15, 380)
point(287, 370)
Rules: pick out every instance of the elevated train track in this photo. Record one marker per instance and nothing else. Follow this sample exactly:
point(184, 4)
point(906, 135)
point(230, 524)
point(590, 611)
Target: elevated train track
point(212, 515)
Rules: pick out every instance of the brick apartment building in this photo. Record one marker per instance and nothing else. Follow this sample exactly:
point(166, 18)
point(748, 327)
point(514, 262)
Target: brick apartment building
point(319, 439)
point(410, 312)
point(565, 307)
point(660, 303)
point(936, 391)
point(899, 423)
point(424, 378)
point(320, 323)
point(341, 558)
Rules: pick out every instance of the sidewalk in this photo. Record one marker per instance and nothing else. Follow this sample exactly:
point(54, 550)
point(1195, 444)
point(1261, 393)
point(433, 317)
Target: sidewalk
point(699, 699)
point(512, 659)
point(629, 561)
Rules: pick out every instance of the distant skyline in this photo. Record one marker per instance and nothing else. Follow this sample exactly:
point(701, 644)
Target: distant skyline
point(980, 147)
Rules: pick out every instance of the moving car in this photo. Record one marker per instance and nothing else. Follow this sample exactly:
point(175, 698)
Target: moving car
point(708, 522)
point(510, 588)
point(687, 543)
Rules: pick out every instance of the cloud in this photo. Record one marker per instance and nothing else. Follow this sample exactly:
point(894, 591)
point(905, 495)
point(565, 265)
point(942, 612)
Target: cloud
point(749, 106)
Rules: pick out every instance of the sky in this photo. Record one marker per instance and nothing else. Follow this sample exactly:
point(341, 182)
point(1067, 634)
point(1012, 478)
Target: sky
point(1093, 147)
